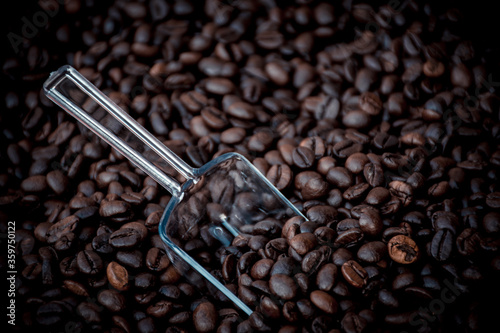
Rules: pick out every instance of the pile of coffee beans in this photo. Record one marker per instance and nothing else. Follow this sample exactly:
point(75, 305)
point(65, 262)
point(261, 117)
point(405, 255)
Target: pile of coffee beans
point(379, 121)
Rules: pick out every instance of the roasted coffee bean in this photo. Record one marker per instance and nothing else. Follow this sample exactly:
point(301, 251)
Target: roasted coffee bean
point(340, 177)
point(346, 148)
point(241, 110)
point(325, 235)
point(377, 196)
point(275, 247)
point(205, 317)
point(280, 176)
point(326, 278)
point(160, 309)
point(370, 222)
point(89, 262)
point(100, 243)
point(156, 259)
point(229, 267)
point(355, 163)
point(57, 181)
point(303, 157)
point(283, 266)
point(355, 118)
point(491, 222)
point(261, 269)
point(117, 276)
point(353, 323)
point(349, 237)
point(312, 261)
point(315, 186)
point(111, 300)
point(374, 174)
point(130, 258)
point(442, 244)
point(89, 312)
point(127, 237)
point(316, 144)
point(34, 184)
point(233, 135)
point(59, 229)
point(354, 274)
point(324, 301)
point(372, 252)
point(493, 200)
point(356, 191)
point(401, 190)
point(347, 224)
point(370, 103)
point(113, 208)
point(303, 243)
point(402, 249)
point(283, 286)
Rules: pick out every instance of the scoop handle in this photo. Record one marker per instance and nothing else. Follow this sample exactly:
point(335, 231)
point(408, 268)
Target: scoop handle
point(70, 90)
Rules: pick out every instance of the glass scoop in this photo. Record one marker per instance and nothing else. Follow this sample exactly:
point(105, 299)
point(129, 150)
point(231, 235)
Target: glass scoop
point(215, 206)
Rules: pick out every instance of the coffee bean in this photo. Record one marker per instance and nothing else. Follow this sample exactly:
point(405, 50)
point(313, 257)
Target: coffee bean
point(442, 244)
point(355, 162)
point(205, 317)
point(492, 199)
point(346, 148)
point(283, 266)
point(384, 141)
point(321, 214)
point(260, 141)
point(326, 278)
point(401, 190)
point(283, 286)
point(117, 276)
point(370, 222)
point(280, 176)
point(354, 274)
point(370, 103)
point(89, 262)
point(372, 252)
point(303, 157)
point(126, 237)
point(340, 177)
point(261, 269)
point(160, 309)
point(356, 119)
point(90, 312)
point(356, 191)
point(277, 73)
point(34, 184)
point(353, 323)
point(377, 196)
point(111, 300)
point(312, 261)
point(61, 228)
point(374, 174)
point(157, 260)
point(349, 237)
point(324, 301)
point(113, 208)
point(402, 249)
point(57, 181)
point(303, 243)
